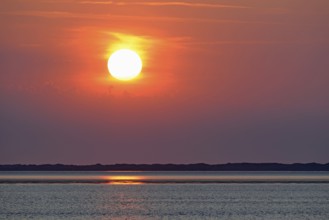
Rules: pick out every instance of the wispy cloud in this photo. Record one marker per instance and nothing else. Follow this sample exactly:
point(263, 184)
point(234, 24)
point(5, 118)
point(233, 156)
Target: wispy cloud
point(202, 46)
point(172, 3)
point(45, 14)
point(249, 42)
point(73, 15)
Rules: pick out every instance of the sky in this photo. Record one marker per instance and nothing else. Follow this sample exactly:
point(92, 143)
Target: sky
point(222, 81)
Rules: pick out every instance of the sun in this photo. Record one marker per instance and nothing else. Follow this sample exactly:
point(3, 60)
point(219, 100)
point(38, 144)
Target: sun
point(124, 64)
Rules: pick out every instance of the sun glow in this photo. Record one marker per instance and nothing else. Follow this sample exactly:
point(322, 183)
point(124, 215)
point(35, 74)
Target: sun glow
point(124, 179)
point(124, 64)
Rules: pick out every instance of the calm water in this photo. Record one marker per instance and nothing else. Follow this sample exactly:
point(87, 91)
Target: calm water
point(164, 195)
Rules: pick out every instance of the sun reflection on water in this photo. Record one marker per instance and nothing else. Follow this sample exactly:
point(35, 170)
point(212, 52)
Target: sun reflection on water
point(124, 180)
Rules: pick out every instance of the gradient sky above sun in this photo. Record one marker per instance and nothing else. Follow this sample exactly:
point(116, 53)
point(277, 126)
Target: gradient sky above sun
point(222, 81)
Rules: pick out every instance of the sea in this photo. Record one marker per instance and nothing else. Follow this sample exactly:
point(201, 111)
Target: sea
point(164, 195)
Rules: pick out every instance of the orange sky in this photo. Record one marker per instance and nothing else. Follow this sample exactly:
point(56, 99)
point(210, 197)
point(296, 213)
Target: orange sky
point(220, 81)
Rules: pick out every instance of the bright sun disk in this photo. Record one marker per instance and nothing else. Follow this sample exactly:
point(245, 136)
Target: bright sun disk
point(124, 64)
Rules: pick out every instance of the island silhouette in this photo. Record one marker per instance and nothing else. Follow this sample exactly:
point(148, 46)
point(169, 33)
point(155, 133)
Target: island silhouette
point(170, 167)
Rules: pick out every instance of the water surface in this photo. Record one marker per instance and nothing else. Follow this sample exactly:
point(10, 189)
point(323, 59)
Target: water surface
point(162, 177)
point(164, 195)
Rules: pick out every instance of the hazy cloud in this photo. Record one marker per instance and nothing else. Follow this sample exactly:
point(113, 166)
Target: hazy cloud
point(65, 14)
point(165, 3)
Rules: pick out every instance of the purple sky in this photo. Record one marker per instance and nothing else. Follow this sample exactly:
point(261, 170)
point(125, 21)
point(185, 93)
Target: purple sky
point(222, 81)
